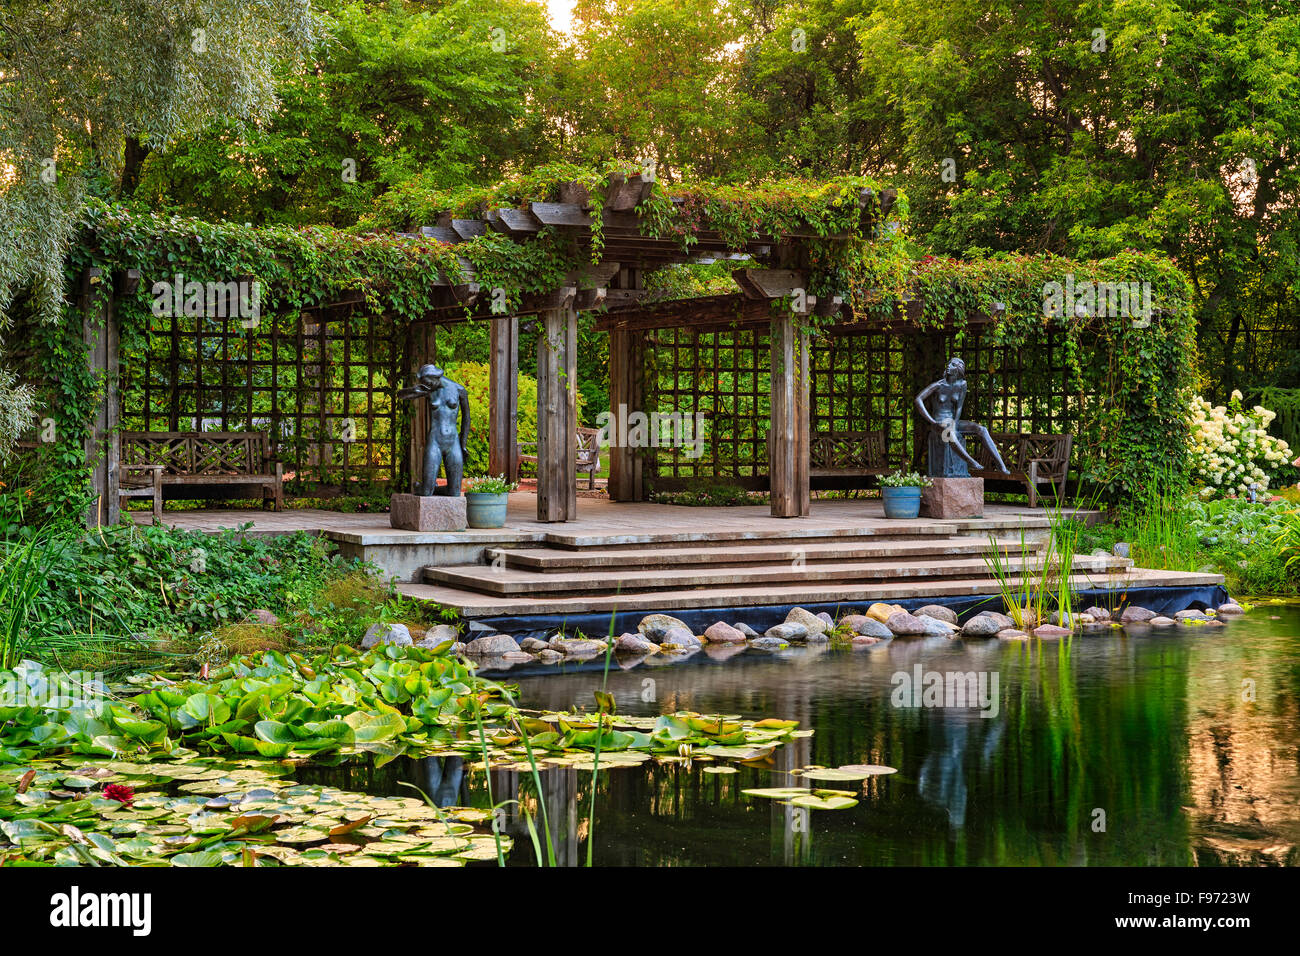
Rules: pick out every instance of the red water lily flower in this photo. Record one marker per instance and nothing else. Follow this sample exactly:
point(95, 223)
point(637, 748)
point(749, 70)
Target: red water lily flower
point(119, 792)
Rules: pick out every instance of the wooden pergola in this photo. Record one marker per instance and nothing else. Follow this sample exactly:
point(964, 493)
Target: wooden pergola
point(615, 285)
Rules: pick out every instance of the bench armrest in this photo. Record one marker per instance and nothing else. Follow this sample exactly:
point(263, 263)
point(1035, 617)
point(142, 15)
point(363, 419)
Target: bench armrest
point(1054, 466)
point(152, 472)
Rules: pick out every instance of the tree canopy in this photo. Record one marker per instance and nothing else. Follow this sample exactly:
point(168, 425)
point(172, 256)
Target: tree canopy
point(1078, 129)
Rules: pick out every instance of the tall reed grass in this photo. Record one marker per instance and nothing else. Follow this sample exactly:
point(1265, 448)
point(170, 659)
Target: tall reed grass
point(24, 566)
point(1159, 532)
point(1043, 581)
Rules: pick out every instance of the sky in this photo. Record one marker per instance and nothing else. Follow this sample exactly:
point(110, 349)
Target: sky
point(561, 13)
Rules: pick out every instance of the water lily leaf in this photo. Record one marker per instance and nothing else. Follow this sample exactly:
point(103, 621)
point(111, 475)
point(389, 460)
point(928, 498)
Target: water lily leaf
point(831, 774)
point(205, 709)
point(202, 858)
point(868, 769)
point(372, 728)
point(814, 801)
point(671, 727)
point(486, 851)
point(713, 726)
point(776, 793)
point(152, 732)
point(271, 750)
point(344, 828)
point(771, 723)
point(432, 860)
point(737, 753)
point(252, 823)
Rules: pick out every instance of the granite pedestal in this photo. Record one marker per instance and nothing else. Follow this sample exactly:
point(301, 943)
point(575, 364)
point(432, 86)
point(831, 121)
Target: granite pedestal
point(427, 512)
point(953, 498)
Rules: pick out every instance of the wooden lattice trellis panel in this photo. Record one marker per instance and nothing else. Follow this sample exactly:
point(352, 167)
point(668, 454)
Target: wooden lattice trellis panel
point(724, 376)
point(858, 385)
point(862, 381)
point(320, 383)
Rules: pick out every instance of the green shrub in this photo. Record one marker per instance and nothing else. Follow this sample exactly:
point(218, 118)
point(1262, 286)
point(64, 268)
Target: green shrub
point(132, 579)
point(707, 493)
point(1251, 545)
point(1247, 543)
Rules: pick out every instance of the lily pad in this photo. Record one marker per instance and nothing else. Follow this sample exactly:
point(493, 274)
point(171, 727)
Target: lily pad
point(816, 801)
point(868, 769)
point(776, 793)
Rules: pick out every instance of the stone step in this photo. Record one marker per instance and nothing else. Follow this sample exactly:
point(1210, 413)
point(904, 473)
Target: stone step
point(853, 529)
point(727, 554)
point(474, 604)
point(513, 581)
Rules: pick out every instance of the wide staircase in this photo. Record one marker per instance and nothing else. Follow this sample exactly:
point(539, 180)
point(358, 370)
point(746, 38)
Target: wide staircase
point(576, 574)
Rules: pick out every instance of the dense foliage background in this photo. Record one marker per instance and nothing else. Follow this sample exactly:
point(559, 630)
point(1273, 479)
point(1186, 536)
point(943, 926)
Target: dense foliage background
point(1077, 129)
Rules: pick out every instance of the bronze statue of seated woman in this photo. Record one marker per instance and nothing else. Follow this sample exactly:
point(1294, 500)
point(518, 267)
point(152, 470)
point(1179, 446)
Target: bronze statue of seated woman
point(948, 455)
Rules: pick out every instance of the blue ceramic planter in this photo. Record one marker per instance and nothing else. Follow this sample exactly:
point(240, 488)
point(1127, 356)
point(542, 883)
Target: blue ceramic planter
point(901, 502)
point(485, 510)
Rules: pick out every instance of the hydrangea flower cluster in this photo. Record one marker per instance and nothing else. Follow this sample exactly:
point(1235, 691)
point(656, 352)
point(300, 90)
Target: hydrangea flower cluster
point(1231, 448)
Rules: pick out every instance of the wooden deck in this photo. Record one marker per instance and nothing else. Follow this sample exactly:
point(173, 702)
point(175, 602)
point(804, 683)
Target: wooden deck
point(621, 522)
point(654, 557)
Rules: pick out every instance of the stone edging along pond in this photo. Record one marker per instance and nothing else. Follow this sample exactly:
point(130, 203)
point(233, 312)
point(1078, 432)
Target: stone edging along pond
point(668, 638)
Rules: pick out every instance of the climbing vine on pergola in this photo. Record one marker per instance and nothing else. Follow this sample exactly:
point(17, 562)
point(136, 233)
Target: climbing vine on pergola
point(824, 260)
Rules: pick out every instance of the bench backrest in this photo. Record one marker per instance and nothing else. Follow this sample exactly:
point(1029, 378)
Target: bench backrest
point(1018, 449)
point(198, 453)
point(848, 451)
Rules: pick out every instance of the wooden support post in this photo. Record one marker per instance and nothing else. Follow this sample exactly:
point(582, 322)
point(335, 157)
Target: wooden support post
point(100, 333)
point(557, 411)
point(503, 403)
point(788, 438)
point(626, 395)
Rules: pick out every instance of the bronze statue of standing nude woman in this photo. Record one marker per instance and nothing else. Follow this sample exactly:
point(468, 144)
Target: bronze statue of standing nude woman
point(446, 444)
point(948, 455)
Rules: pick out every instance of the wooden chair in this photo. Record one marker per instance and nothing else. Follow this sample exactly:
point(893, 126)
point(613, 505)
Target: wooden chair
point(588, 453)
point(199, 461)
point(1033, 459)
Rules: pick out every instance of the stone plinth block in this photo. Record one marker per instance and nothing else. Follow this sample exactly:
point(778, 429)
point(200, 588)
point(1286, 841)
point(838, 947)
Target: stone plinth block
point(427, 512)
point(953, 498)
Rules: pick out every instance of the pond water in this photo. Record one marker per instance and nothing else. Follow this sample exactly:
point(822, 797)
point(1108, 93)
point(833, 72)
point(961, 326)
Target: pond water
point(1166, 747)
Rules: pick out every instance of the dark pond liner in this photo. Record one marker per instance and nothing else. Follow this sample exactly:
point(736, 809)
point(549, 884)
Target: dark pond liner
point(1162, 600)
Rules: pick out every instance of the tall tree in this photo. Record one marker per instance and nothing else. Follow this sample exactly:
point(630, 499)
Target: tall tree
point(653, 80)
point(810, 107)
point(1086, 128)
point(78, 80)
point(443, 91)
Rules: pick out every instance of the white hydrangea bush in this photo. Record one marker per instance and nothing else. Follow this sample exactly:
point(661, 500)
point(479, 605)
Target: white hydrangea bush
point(1231, 448)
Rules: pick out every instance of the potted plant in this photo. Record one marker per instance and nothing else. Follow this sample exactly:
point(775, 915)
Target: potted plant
point(485, 501)
point(901, 493)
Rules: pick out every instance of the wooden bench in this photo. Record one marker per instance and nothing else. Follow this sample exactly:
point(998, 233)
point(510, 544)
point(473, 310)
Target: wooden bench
point(588, 453)
point(1032, 459)
point(151, 461)
point(848, 455)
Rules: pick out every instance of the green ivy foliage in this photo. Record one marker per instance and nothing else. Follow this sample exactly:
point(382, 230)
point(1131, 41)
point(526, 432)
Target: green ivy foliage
point(1145, 370)
point(1142, 368)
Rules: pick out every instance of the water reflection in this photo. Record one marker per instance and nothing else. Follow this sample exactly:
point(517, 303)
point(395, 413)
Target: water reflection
point(1165, 748)
point(444, 777)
